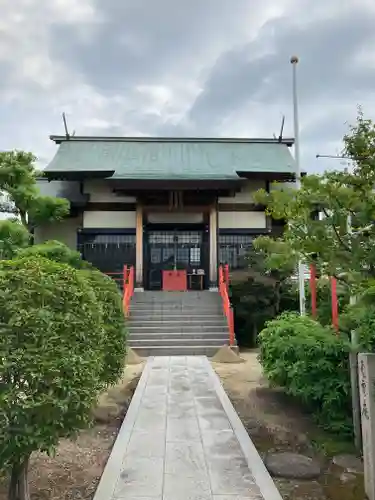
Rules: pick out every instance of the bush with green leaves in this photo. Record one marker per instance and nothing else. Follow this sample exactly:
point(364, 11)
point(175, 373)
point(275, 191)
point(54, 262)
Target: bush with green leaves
point(107, 293)
point(56, 251)
point(360, 317)
point(254, 304)
point(312, 364)
point(52, 356)
point(13, 236)
point(113, 319)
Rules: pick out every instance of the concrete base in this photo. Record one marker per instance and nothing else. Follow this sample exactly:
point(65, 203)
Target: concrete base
point(227, 354)
point(213, 289)
point(139, 289)
point(132, 357)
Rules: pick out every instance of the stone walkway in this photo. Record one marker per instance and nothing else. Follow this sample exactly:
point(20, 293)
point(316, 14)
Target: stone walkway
point(182, 440)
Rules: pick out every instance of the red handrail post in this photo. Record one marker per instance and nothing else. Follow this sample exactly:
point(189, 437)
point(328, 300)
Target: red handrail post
point(334, 304)
point(313, 290)
point(231, 327)
point(226, 275)
point(227, 309)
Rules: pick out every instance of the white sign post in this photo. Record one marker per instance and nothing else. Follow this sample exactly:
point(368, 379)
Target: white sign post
point(366, 374)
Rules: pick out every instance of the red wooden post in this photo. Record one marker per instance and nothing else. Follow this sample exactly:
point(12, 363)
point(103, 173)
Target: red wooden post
point(334, 303)
point(226, 275)
point(231, 327)
point(313, 290)
point(125, 275)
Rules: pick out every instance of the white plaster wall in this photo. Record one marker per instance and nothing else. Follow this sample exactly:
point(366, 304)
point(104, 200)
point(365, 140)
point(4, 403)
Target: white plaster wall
point(175, 218)
point(246, 195)
point(101, 192)
point(282, 185)
point(109, 219)
point(64, 231)
point(242, 220)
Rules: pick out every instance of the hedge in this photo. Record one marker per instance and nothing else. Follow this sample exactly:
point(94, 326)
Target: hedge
point(312, 364)
point(52, 347)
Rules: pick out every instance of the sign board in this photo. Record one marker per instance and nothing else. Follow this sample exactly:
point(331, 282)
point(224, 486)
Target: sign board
point(366, 375)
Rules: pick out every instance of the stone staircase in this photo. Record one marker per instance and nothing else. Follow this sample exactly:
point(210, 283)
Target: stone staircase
point(177, 323)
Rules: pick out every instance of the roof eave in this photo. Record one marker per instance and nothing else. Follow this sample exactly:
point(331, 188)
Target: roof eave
point(77, 175)
point(58, 139)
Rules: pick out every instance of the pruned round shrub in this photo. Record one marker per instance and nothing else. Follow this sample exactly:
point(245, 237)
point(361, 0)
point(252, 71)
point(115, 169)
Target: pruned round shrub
point(114, 326)
point(56, 251)
point(312, 364)
point(51, 355)
point(107, 294)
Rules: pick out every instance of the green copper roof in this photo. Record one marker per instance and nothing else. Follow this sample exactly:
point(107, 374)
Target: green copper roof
point(172, 159)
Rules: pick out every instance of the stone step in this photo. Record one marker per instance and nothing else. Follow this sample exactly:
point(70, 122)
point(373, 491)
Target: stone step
point(184, 342)
point(160, 316)
point(178, 335)
point(185, 311)
point(188, 295)
point(177, 322)
point(183, 328)
point(170, 350)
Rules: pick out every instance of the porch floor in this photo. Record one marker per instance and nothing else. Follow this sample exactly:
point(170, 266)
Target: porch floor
point(182, 440)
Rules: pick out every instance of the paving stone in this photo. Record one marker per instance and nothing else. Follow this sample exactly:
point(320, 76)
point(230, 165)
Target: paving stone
point(180, 387)
point(160, 362)
point(253, 496)
point(148, 420)
point(155, 392)
point(146, 444)
point(185, 458)
point(207, 403)
point(221, 444)
point(215, 422)
point(231, 477)
point(155, 405)
point(184, 409)
point(140, 477)
point(292, 465)
point(183, 429)
point(177, 487)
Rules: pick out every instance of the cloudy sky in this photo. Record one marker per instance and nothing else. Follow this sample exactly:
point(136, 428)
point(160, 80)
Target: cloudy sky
point(184, 67)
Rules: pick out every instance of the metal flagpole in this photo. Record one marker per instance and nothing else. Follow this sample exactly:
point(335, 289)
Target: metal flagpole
point(301, 267)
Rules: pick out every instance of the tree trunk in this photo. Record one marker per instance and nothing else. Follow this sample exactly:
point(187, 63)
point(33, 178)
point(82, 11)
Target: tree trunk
point(18, 485)
point(23, 218)
point(277, 299)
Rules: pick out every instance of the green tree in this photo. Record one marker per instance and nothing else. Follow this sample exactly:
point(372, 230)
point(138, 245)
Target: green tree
point(18, 182)
point(13, 236)
point(341, 196)
point(56, 251)
point(52, 356)
point(259, 297)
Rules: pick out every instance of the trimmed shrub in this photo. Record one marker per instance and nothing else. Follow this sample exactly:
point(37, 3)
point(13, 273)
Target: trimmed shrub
point(312, 364)
point(56, 251)
point(113, 319)
point(107, 294)
point(52, 347)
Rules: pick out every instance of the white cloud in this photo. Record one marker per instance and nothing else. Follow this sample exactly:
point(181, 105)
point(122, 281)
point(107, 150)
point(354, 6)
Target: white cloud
point(194, 68)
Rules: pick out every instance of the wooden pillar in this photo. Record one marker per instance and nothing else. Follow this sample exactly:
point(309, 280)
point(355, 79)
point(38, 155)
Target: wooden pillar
point(213, 247)
point(139, 246)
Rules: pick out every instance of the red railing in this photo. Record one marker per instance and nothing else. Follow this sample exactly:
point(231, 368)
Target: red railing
point(227, 308)
point(128, 288)
point(117, 277)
